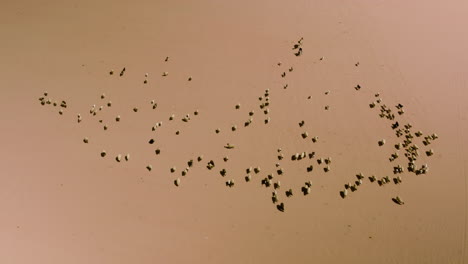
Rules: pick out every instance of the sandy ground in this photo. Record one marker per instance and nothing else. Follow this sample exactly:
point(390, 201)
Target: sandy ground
point(62, 203)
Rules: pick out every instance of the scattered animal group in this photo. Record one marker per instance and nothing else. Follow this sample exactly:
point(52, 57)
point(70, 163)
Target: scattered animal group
point(272, 180)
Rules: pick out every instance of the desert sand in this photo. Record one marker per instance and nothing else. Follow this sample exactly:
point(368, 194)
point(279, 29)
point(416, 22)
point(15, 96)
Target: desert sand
point(117, 173)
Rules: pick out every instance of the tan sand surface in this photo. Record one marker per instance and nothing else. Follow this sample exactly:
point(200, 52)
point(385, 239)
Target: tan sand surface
point(61, 202)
